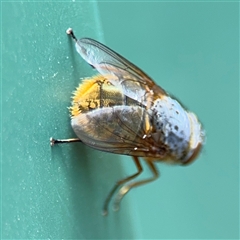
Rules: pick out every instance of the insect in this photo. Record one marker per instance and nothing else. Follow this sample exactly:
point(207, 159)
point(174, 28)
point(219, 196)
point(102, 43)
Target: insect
point(121, 110)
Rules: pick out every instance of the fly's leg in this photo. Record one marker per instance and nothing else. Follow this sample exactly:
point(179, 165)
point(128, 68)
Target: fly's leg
point(70, 32)
point(119, 183)
point(58, 141)
point(126, 188)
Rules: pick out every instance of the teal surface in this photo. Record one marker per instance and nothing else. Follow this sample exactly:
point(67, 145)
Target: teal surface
point(54, 193)
point(191, 49)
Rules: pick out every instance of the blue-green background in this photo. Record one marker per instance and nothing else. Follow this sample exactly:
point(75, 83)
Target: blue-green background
point(191, 49)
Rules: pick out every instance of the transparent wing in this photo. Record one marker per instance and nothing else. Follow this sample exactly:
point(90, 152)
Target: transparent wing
point(131, 80)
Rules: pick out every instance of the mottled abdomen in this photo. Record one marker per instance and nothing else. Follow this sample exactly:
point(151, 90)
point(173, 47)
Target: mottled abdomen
point(178, 129)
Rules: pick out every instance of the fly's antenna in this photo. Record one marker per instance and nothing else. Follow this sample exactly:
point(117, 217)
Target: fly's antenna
point(70, 32)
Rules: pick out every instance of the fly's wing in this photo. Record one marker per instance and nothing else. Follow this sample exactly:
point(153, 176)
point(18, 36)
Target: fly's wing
point(131, 80)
